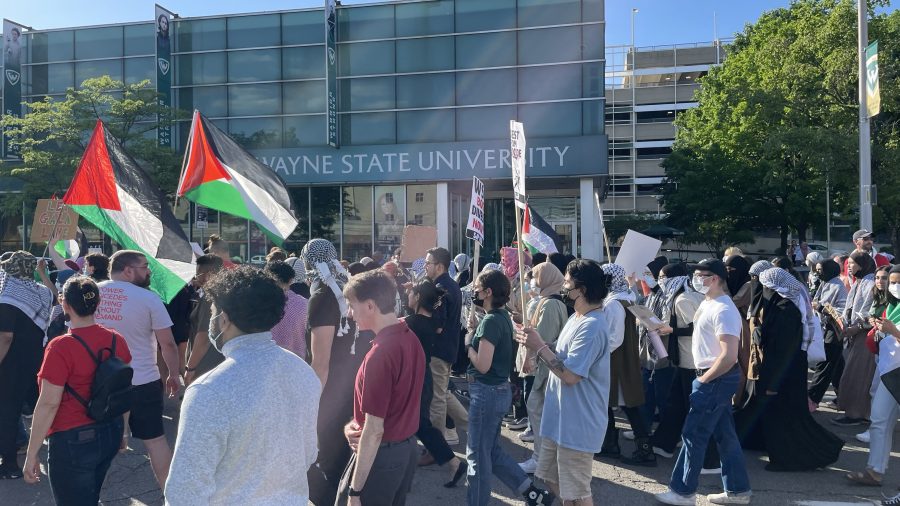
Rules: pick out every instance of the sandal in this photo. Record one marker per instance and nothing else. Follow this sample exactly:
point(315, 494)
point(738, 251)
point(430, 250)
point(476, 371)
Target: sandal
point(460, 472)
point(868, 478)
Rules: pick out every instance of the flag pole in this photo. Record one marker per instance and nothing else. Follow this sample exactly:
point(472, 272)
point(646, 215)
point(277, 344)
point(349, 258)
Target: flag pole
point(521, 257)
point(472, 277)
point(603, 227)
point(187, 149)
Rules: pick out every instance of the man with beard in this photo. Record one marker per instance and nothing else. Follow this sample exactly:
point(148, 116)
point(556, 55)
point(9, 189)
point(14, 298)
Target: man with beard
point(128, 307)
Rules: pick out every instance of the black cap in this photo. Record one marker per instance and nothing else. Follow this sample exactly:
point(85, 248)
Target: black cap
point(713, 265)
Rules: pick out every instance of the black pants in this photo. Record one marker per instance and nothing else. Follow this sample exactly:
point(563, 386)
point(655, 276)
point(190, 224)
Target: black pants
point(635, 419)
point(431, 438)
point(18, 374)
point(78, 459)
point(827, 372)
point(668, 432)
point(390, 478)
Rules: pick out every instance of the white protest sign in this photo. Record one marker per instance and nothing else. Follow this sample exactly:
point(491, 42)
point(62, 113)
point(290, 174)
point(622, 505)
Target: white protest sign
point(517, 158)
point(636, 252)
point(475, 226)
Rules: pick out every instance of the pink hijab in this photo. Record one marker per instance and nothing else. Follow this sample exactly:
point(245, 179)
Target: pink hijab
point(510, 261)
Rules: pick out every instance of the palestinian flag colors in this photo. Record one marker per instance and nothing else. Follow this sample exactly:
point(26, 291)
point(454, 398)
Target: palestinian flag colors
point(221, 175)
point(111, 191)
point(538, 235)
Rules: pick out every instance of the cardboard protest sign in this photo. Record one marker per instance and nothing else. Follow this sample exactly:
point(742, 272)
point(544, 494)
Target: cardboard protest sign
point(475, 226)
point(52, 214)
point(517, 155)
point(416, 241)
point(636, 252)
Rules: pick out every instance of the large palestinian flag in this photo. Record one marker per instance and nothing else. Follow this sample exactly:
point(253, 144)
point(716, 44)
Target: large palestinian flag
point(538, 235)
point(111, 191)
point(220, 174)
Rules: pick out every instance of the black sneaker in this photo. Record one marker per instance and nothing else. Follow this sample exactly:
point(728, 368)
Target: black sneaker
point(538, 497)
point(519, 424)
point(846, 421)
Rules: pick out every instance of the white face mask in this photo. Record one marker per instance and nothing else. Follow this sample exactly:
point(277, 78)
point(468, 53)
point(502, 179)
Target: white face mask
point(697, 284)
point(894, 288)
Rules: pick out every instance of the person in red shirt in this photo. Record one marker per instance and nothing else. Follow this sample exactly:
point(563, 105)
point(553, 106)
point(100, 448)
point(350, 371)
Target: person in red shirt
point(80, 449)
point(386, 400)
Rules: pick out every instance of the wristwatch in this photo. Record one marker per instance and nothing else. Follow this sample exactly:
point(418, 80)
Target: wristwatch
point(353, 493)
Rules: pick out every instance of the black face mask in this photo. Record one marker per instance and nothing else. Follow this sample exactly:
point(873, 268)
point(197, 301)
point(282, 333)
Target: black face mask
point(565, 296)
point(478, 302)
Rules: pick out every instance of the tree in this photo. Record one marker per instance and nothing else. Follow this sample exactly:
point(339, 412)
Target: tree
point(53, 134)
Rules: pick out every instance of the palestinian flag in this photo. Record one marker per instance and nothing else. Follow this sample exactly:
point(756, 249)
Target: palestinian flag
point(111, 191)
point(221, 175)
point(538, 235)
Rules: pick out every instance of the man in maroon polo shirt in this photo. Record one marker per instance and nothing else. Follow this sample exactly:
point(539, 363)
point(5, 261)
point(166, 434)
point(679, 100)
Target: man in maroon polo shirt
point(386, 399)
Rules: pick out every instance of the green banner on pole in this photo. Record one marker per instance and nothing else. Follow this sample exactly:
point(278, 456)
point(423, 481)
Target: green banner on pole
point(164, 75)
point(13, 52)
point(873, 93)
point(331, 72)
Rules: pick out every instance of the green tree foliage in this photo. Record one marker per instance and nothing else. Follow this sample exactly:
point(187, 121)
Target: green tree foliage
point(52, 136)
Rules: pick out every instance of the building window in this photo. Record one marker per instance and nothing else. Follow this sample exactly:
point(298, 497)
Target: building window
point(390, 213)
point(357, 226)
point(417, 219)
point(655, 116)
point(389, 197)
point(651, 153)
point(420, 197)
point(103, 42)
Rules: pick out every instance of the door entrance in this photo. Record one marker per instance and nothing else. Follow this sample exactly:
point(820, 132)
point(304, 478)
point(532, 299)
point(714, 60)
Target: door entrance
point(567, 231)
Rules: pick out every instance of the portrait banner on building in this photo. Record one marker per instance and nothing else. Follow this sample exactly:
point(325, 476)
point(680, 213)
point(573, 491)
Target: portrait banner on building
point(517, 157)
point(873, 93)
point(13, 49)
point(164, 75)
point(331, 72)
point(475, 226)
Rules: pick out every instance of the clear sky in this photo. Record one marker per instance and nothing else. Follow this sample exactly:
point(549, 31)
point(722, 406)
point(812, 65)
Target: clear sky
point(658, 22)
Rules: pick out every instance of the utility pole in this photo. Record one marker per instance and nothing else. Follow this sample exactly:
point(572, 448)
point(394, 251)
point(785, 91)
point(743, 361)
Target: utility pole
point(865, 152)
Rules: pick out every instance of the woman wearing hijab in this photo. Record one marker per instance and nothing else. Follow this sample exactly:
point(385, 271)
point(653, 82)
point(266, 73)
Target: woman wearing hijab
point(781, 423)
point(738, 282)
point(831, 292)
point(657, 372)
point(854, 398)
point(813, 280)
point(463, 273)
point(626, 388)
point(509, 260)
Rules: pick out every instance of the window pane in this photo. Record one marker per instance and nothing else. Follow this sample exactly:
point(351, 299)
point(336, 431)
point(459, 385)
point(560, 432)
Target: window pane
point(361, 23)
point(201, 34)
point(486, 87)
point(261, 65)
point(138, 69)
point(304, 97)
point(368, 94)
point(357, 222)
point(390, 217)
point(369, 128)
point(87, 69)
point(303, 27)
point(592, 42)
point(98, 42)
point(38, 46)
point(592, 117)
point(592, 10)
point(429, 90)
point(365, 59)
point(304, 131)
point(550, 45)
point(593, 79)
point(212, 101)
point(421, 202)
point(424, 18)
point(303, 62)
point(484, 123)
point(417, 55)
point(206, 68)
point(257, 133)
point(551, 120)
point(295, 242)
point(254, 99)
point(254, 31)
point(549, 83)
point(549, 12)
point(36, 81)
point(486, 50)
point(60, 46)
point(325, 212)
point(475, 15)
point(234, 232)
point(140, 39)
point(426, 126)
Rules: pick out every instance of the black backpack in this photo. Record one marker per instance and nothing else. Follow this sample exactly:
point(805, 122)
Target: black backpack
point(111, 388)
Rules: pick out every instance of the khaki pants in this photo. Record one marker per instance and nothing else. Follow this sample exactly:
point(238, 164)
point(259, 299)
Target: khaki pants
point(445, 402)
point(535, 405)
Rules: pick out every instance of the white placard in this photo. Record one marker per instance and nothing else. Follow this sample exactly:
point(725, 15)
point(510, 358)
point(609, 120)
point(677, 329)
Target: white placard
point(636, 252)
point(475, 226)
point(517, 159)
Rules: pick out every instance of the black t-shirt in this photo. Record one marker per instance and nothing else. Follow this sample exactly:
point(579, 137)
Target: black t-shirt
point(28, 338)
point(425, 328)
point(179, 310)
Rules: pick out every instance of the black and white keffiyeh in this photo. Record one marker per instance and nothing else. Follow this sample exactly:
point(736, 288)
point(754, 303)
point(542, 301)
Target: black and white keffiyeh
point(33, 299)
point(322, 265)
point(618, 285)
point(759, 267)
point(786, 285)
point(671, 288)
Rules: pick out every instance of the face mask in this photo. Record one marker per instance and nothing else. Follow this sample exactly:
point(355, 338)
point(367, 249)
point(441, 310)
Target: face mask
point(894, 289)
point(651, 283)
point(697, 284)
point(214, 340)
point(567, 296)
point(478, 302)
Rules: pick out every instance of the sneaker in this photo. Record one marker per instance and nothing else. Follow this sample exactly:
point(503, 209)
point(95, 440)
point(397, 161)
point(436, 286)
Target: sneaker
point(846, 421)
point(538, 497)
point(832, 405)
point(730, 498)
point(527, 436)
point(662, 453)
point(891, 501)
point(863, 437)
point(508, 418)
point(671, 497)
point(451, 437)
point(628, 434)
point(712, 470)
point(529, 466)
point(519, 424)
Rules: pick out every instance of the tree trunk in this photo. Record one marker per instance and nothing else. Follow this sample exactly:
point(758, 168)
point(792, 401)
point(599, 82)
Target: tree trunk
point(801, 232)
point(784, 243)
point(895, 240)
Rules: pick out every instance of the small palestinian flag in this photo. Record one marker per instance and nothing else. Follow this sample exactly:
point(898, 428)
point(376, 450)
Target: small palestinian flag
point(221, 175)
point(111, 191)
point(538, 235)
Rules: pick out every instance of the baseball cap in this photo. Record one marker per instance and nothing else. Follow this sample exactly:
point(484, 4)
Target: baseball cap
point(859, 234)
point(713, 265)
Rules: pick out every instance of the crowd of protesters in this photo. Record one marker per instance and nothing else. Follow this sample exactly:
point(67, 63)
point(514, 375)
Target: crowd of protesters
point(315, 379)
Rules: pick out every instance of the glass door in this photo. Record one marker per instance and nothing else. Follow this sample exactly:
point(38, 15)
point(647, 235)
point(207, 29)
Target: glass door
point(568, 235)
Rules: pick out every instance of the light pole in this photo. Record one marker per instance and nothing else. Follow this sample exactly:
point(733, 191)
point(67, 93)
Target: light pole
point(633, 113)
point(865, 157)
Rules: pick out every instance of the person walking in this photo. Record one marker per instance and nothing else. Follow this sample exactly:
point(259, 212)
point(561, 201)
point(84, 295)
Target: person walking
point(829, 298)
point(202, 356)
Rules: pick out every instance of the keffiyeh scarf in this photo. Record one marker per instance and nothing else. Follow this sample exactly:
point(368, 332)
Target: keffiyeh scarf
point(618, 286)
point(320, 259)
point(33, 299)
point(786, 285)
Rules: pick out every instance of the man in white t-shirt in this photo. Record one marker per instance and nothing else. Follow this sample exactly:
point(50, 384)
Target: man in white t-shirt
point(714, 346)
point(128, 307)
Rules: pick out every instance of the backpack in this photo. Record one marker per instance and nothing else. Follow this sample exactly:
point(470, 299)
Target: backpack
point(111, 388)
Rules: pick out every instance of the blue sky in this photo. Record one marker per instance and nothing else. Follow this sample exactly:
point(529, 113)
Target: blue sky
point(658, 22)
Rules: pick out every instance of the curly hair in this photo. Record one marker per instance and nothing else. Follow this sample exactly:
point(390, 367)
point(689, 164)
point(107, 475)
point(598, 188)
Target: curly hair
point(588, 274)
point(281, 271)
point(251, 297)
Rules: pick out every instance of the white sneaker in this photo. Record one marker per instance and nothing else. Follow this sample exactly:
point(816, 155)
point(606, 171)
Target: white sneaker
point(727, 498)
point(863, 437)
point(717, 470)
point(529, 466)
point(662, 453)
point(451, 437)
point(671, 497)
point(527, 436)
point(628, 434)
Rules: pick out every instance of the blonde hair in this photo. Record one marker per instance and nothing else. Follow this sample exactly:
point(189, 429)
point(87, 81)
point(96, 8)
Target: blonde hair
point(733, 250)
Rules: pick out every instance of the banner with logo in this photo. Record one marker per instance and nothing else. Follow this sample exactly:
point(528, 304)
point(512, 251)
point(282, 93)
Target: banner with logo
point(331, 72)
point(164, 75)
point(873, 93)
point(517, 157)
point(13, 53)
point(475, 227)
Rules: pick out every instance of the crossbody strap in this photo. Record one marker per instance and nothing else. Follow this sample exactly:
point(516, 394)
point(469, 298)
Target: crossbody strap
point(96, 359)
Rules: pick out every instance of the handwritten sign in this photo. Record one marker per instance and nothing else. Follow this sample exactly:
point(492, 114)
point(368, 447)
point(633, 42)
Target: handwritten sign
point(475, 226)
point(416, 241)
point(52, 214)
point(517, 157)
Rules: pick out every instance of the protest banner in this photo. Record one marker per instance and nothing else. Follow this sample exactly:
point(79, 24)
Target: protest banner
point(636, 252)
point(52, 215)
point(416, 241)
point(475, 226)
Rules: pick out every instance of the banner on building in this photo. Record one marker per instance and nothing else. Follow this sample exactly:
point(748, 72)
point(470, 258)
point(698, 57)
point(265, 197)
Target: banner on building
point(13, 51)
point(475, 226)
point(873, 93)
point(52, 216)
point(164, 75)
point(202, 217)
point(331, 72)
point(517, 157)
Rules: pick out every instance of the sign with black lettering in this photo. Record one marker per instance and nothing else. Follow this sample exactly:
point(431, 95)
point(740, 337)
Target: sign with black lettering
point(475, 226)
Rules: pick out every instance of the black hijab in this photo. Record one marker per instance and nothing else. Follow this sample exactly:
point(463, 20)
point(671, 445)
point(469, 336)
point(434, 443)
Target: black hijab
point(657, 264)
point(740, 274)
point(674, 270)
point(830, 270)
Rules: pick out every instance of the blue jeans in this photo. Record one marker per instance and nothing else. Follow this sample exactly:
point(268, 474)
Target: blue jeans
point(487, 405)
point(78, 459)
point(710, 415)
point(657, 384)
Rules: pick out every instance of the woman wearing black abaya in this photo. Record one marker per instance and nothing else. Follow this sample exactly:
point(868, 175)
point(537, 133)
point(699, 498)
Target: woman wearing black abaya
point(831, 291)
point(738, 282)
